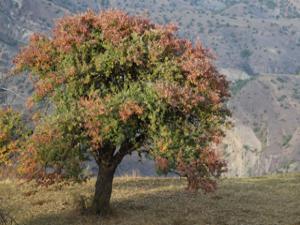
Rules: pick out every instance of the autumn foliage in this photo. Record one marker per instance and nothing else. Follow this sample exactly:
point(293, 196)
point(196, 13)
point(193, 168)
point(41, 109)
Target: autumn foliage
point(118, 84)
point(12, 135)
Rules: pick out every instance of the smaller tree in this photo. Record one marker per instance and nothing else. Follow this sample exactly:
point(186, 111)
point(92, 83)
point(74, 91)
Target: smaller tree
point(54, 151)
point(12, 133)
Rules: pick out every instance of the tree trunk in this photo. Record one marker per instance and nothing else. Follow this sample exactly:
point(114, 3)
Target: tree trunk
point(193, 184)
point(103, 189)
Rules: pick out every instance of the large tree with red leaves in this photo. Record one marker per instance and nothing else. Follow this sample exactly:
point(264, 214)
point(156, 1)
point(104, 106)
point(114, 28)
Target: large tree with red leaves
point(117, 84)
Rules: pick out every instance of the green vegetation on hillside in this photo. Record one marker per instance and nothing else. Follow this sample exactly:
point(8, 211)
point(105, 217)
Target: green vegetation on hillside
point(286, 140)
point(246, 53)
point(238, 85)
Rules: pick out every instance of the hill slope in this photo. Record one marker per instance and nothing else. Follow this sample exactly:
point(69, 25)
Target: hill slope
point(266, 136)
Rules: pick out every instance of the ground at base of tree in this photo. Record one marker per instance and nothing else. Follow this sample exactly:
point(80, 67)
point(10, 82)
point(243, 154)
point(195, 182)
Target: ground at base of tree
point(159, 201)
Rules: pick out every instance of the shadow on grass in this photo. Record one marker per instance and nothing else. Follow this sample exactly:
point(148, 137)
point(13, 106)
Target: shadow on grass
point(155, 208)
point(6, 219)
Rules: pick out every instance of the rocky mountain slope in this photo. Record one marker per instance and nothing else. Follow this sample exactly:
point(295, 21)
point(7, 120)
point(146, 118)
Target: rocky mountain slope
point(249, 38)
point(266, 136)
point(259, 36)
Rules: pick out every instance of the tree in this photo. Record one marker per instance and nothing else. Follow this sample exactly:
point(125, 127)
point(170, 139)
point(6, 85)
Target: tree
point(117, 84)
point(12, 131)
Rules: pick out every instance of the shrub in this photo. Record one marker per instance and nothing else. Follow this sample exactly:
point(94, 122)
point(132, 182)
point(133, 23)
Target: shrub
point(12, 133)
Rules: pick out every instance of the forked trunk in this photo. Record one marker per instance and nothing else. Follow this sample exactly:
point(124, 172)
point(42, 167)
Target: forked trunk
point(103, 189)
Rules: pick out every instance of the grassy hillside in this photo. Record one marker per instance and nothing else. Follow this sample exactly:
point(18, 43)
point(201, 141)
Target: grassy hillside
point(140, 201)
point(259, 36)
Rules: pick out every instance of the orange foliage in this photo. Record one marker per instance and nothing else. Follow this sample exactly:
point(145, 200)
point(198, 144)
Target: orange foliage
point(115, 25)
point(178, 96)
point(93, 108)
point(128, 109)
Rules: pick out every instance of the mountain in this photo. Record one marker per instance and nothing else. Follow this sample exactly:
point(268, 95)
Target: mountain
point(254, 42)
point(266, 136)
point(258, 36)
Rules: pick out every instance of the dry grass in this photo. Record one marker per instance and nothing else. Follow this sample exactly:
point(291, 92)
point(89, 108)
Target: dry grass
point(155, 201)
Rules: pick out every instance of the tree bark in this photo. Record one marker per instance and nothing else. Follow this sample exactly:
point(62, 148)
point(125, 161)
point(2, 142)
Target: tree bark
point(193, 184)
point(103, 190)
point(107, 162)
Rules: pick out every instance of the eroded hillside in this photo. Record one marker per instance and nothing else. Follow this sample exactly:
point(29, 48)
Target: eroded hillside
point(266, 136)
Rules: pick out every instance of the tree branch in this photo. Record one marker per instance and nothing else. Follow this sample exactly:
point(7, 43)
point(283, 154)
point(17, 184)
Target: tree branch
point(13, 92)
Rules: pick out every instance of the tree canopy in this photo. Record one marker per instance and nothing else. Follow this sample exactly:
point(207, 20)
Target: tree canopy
point(115, 84)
